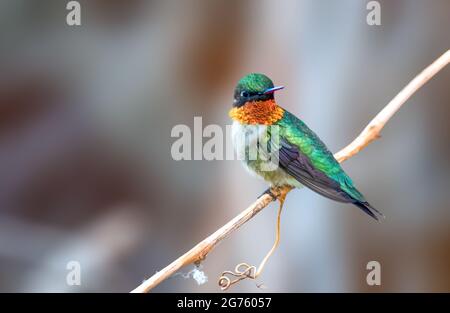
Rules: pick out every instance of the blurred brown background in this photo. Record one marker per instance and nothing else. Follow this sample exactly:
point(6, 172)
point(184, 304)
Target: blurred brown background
point(86, 172)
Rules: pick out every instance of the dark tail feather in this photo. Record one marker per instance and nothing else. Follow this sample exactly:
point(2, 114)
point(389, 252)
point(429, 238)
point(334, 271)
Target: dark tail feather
point(366, 207)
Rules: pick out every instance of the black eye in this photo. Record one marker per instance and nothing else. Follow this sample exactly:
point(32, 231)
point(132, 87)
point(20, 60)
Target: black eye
point(244, 94)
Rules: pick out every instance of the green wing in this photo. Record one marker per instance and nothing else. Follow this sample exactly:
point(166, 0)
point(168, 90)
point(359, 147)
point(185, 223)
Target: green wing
point(305, 157)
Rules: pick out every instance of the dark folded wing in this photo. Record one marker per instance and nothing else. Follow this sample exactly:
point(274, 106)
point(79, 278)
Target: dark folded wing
point(298, 165)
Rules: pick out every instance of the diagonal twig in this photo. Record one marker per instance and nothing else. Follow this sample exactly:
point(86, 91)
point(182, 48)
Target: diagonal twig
point(368, 135)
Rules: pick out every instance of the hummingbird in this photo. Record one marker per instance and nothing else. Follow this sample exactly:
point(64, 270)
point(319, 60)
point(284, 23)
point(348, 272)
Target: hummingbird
point(303, 159)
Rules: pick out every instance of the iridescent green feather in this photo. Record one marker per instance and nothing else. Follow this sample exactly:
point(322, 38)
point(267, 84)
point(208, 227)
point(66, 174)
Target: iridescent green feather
point(297, 133)
point(254, 82)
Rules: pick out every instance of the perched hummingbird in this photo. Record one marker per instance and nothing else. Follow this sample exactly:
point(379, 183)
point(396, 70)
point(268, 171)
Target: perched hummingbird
point(303, 159)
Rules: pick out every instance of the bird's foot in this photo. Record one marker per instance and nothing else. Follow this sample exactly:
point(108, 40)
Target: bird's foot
point(277, 192)
point(270, 193)
point(282, 192)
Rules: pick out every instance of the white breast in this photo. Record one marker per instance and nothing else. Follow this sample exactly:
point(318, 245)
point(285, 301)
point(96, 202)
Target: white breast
point(249, 135)
point(244, 136)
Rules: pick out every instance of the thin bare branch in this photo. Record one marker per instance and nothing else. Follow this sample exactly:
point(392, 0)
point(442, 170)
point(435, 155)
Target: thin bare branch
point(369, 134)
point(372, 130)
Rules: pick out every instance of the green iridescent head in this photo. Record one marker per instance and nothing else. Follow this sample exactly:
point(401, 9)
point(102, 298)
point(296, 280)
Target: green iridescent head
point(254, 87)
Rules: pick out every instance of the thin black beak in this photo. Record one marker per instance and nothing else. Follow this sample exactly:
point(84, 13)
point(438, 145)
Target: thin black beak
point(272, 90)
